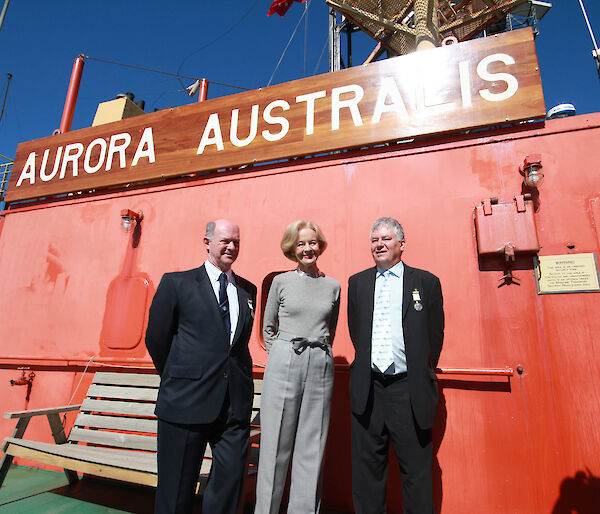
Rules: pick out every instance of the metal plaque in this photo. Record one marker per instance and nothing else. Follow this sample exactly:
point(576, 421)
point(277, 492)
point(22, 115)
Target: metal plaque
point(570, 273)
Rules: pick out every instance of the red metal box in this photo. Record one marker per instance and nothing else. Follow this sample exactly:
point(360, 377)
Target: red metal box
point(506, 225)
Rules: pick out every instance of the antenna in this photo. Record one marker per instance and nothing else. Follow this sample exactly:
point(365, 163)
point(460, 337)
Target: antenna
point(595, 52)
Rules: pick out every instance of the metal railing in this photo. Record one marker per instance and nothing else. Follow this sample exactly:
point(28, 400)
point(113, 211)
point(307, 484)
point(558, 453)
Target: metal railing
point(5, 170)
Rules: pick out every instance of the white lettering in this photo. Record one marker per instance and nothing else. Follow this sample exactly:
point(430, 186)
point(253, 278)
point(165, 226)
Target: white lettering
point(212, 125)
point(389, 88)
point(233, 137)
point(28, 170)
point(272, 120)
point(310, 108)
point(351, 103)
point(114, 148)
point(68, 157)
point(148, 142)
point(43, 175)
point(88, 154)
point(430, 87)
point(512, 84)
point(465, 83)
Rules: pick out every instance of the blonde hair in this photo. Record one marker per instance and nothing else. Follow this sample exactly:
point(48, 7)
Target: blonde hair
point(291, 234)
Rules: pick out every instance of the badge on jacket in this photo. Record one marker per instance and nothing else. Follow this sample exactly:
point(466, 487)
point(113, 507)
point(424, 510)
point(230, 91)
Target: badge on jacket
point(251, 307)
point(417, 299)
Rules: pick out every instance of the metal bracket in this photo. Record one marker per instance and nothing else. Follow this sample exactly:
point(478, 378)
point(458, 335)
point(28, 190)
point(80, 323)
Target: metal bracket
point(509, 258)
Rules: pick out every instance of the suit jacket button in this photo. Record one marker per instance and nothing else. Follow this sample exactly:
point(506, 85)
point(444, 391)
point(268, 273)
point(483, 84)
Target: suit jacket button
point(225, 375)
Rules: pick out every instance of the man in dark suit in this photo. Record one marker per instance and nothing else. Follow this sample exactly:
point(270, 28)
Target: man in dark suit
point(396, 323)
point(198, 332)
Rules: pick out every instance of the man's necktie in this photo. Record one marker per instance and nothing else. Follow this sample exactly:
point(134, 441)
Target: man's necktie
point(382, 355)
point(224, 303)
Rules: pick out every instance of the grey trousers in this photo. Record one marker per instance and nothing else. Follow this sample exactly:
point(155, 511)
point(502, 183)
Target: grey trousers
point(294, 415)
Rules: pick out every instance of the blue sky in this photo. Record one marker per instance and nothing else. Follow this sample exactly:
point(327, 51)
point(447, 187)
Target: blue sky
point(232, 42)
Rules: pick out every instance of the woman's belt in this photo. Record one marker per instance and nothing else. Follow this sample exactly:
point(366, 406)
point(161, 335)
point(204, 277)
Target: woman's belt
point(299, 343)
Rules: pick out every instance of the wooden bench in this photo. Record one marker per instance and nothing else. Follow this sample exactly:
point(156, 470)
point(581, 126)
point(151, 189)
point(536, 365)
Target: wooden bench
point(113, 436)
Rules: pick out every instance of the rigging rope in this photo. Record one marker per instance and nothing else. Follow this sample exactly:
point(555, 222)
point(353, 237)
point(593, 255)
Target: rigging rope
point(321, 56)
point(162, 72)
point(288, 44)
point(9, 76)
point(305, 34)
point(218, 37)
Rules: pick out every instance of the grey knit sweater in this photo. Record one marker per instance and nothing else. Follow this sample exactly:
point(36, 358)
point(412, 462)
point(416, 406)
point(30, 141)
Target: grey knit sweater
point(301, 306)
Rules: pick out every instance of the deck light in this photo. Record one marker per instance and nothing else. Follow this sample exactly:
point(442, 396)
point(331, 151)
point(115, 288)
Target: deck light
point(129, 218)
point(531, 169)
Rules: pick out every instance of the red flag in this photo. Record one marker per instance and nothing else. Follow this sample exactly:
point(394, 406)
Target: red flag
point(281, 6)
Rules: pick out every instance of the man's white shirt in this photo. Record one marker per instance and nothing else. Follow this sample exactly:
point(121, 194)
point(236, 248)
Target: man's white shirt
point(396, 277)
point(234, 307)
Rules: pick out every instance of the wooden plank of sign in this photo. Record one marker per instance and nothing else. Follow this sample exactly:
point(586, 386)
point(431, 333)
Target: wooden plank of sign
point(431, 75)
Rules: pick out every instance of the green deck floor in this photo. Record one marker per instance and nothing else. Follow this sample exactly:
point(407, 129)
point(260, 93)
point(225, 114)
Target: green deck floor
point(28, 490)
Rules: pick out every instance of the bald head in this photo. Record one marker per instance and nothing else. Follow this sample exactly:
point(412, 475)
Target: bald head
point(222, 241)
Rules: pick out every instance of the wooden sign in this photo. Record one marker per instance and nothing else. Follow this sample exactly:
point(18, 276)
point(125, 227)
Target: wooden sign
point(481, 82)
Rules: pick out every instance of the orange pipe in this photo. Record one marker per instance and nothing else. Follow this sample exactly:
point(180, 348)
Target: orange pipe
point(72, 92)
point(508, 372)
point(203, 93)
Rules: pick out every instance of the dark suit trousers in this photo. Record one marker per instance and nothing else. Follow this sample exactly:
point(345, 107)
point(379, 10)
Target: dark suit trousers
point(388, 416)
point(180, 453)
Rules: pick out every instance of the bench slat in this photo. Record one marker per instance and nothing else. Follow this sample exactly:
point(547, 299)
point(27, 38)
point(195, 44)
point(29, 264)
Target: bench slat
point(92, 468)
point(40, 412)
point(126, 441)
point(148, 426)
point(254, 435)
point(122, 392)
point(114, 439)
point(117, 407)
point(127, 459)
point(126, 379)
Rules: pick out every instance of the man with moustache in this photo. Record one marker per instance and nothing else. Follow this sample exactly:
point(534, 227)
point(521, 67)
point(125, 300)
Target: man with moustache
point(198, 332)
point(396, 322)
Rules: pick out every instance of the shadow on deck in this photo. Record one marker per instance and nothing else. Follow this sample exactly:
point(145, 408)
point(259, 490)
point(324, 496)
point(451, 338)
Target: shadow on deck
point(28, 490)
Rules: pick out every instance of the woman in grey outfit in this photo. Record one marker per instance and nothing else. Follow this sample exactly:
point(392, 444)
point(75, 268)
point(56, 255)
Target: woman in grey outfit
point(299, 324)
